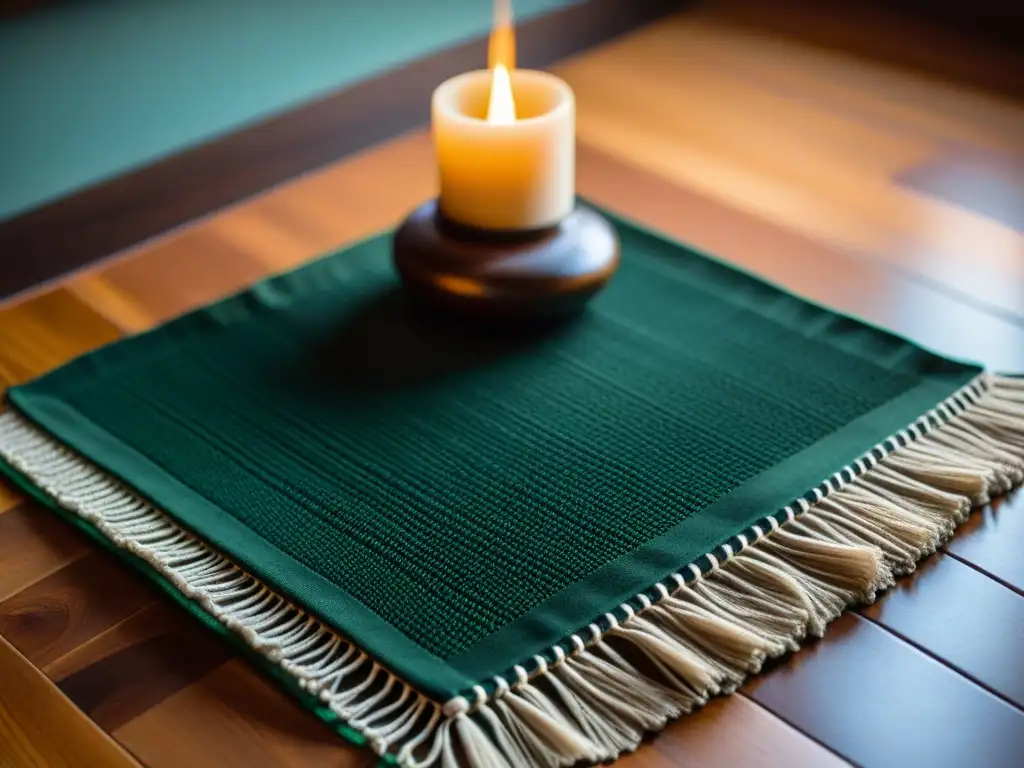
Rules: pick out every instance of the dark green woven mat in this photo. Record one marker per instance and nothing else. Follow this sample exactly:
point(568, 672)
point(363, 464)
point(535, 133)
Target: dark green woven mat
point(455, 501)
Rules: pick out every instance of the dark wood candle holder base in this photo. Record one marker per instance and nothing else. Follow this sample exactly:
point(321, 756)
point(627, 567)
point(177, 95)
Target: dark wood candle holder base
point(512, 276)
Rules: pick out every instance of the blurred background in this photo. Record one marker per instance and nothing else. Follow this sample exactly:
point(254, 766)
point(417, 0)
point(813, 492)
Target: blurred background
point(92, 90)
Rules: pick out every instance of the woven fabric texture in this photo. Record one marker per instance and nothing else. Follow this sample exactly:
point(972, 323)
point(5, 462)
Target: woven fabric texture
point(451, 480)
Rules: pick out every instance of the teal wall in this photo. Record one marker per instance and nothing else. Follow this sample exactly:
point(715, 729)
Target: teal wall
point(89, 90)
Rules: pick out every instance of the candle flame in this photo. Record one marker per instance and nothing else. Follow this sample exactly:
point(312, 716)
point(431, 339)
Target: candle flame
point(501, 48)
point(501, 54)
point(502, 108)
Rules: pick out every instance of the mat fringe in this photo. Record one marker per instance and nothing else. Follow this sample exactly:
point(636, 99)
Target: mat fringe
point(699, 633)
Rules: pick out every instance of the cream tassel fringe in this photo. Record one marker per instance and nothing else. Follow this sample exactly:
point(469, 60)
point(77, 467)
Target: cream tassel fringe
point(699, 634)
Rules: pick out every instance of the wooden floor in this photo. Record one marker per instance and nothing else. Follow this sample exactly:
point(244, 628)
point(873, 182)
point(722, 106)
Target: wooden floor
point(867, 186)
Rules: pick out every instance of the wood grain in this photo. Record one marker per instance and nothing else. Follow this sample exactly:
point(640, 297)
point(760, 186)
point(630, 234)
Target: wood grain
point(39, 335)
point(40, 728)
point(33, 545)
point(947, 52)
point(158, 618)
point(812, 141)
point(136, 678)
point(194, 269)
point(58, 613)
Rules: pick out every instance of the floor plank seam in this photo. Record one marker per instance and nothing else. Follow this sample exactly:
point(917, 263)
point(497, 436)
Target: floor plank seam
point(944, 662)
point(999, 580)
point(827, 747)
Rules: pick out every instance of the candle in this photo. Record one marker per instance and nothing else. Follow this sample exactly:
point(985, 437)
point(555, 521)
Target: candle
point(505, 143)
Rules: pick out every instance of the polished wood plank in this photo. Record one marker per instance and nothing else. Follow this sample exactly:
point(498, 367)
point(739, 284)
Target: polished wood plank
point(108, 303)
point(990, 541)
point(287, 227)
point(649, 755)
point(233, 717)
point(33, 545)
point(115, 646)
point(37, 336)
point(735, 732)
point(932, 41)
point(335, 207)
point(187, 272)
point(954, 86)
point(40, 728)
point(233, 702)
point(879, 702)
point(963, 618)
point(692, 100)
point(130, 681)
point(71, 606)
point(156, 619)
point(8, 498)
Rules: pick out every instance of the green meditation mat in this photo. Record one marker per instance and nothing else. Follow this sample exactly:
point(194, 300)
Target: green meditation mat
point(516, 549)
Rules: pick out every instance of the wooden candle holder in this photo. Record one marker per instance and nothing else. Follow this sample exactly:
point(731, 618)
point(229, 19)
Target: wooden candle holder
point(508, 276)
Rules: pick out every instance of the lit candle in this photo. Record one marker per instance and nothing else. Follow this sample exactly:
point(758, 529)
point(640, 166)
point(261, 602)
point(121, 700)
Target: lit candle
point(505, 142)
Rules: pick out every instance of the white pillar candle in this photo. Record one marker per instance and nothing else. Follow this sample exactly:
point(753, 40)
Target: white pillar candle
point(505, 173)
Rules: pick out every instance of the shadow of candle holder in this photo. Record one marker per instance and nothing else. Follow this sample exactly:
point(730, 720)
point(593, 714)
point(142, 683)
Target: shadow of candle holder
point(391, 343)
